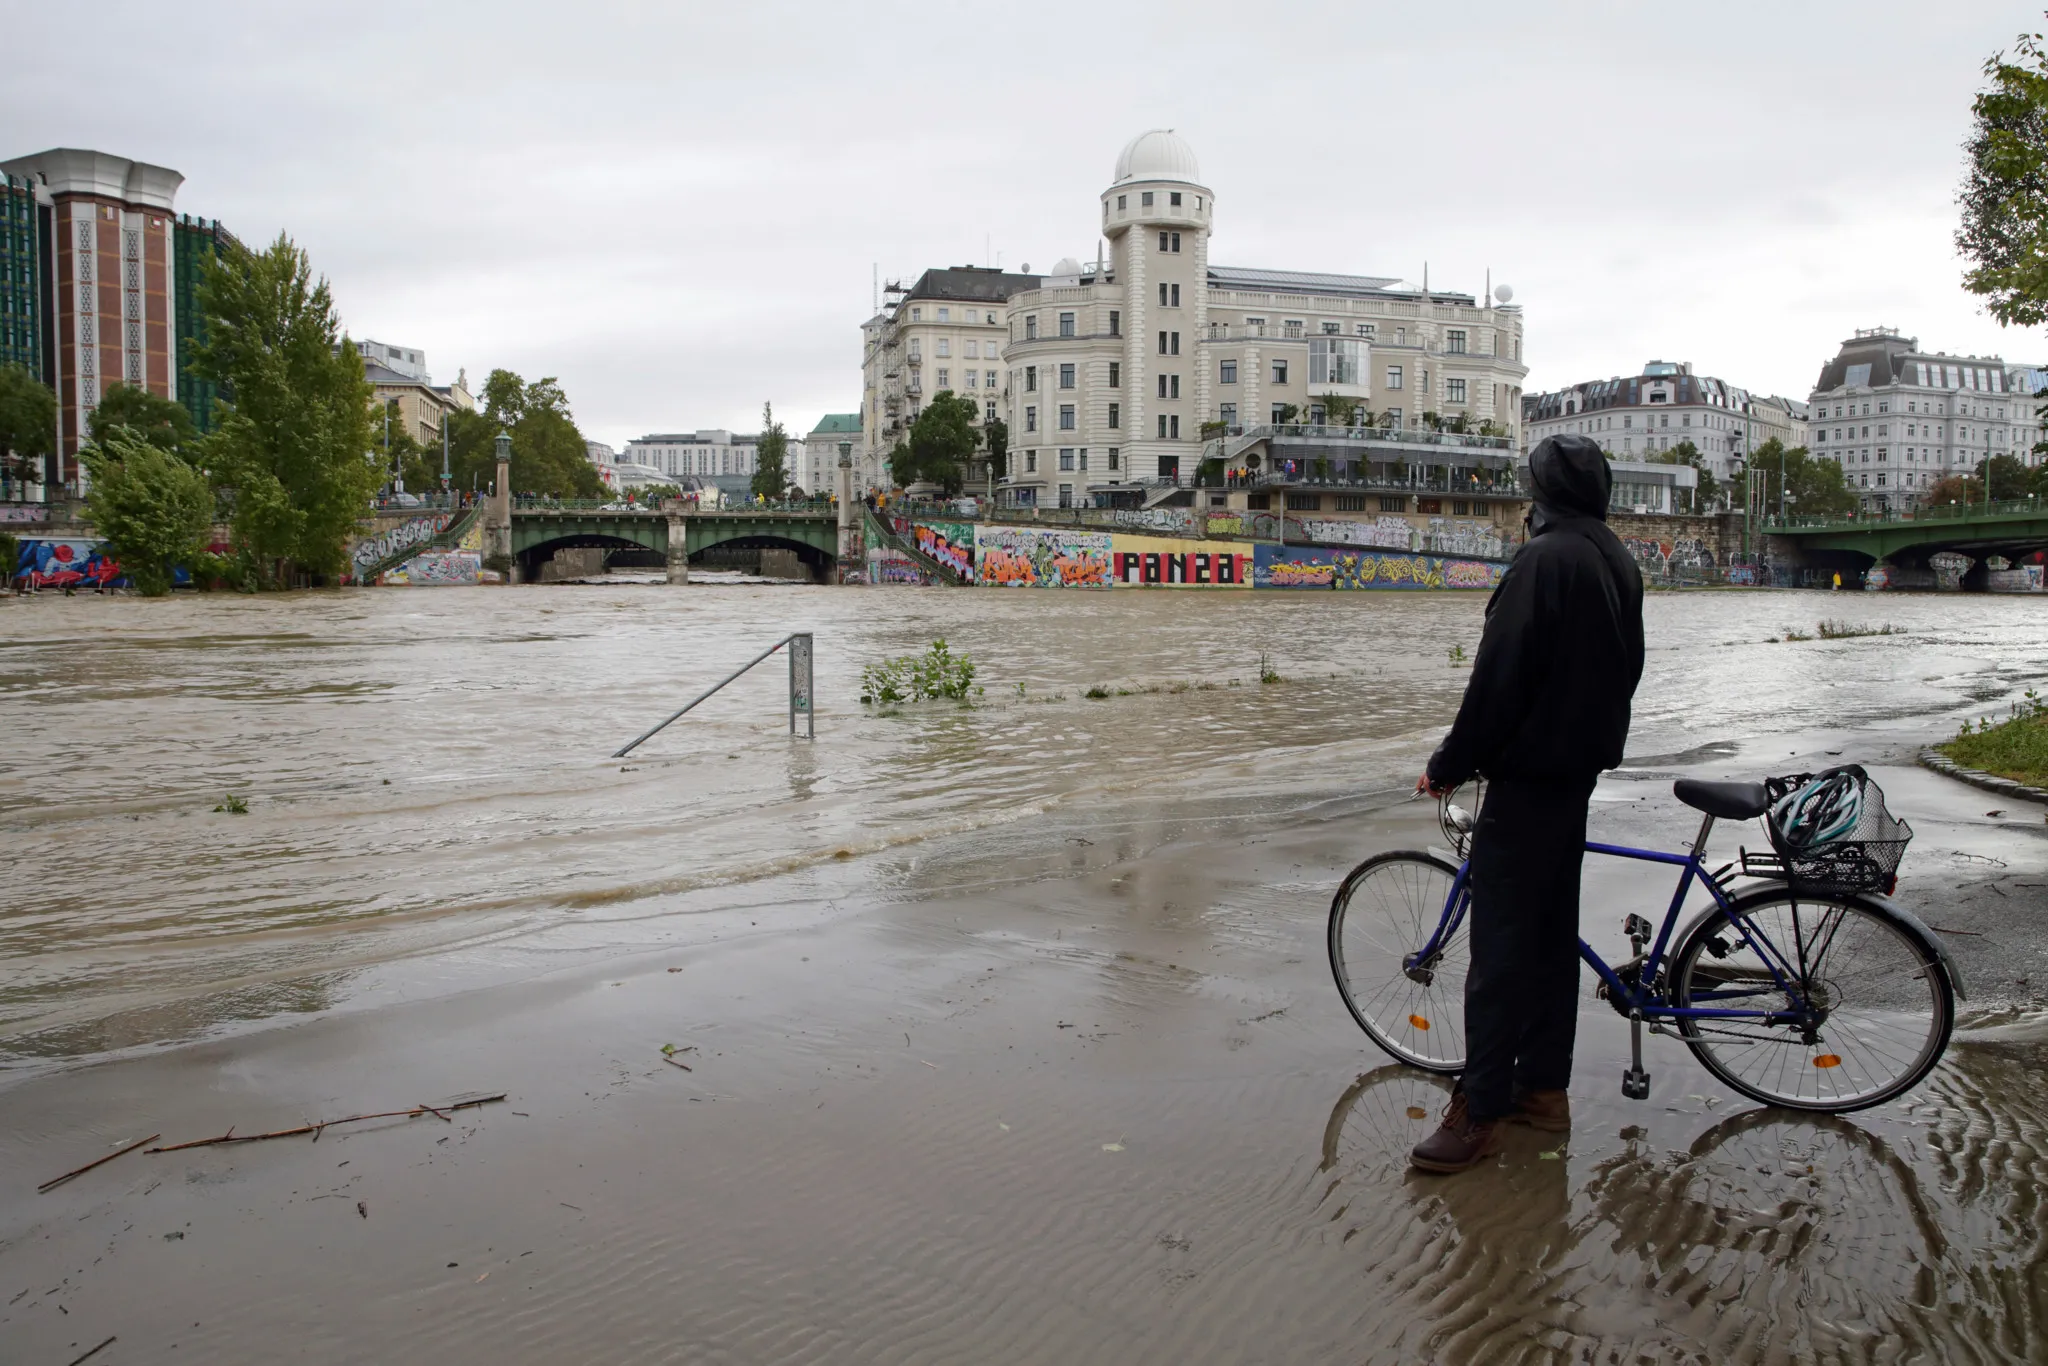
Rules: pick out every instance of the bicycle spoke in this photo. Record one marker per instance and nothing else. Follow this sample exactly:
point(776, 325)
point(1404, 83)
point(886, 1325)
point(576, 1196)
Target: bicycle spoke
point(1389, 911)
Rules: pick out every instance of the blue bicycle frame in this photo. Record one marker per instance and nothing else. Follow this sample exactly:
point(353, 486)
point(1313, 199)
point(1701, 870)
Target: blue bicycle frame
point(1637, 998)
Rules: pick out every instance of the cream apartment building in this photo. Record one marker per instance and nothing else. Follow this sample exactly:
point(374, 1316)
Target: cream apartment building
point(1635, 417)
point(1111, 370)
point(1899, 419)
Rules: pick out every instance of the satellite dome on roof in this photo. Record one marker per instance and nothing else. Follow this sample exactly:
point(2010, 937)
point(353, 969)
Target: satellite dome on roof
point(1160, 154)
point(1067, 265)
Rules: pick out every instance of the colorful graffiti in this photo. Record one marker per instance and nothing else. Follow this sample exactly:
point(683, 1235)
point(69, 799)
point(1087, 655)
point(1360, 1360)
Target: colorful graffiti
point(1172, 521)
point(1687, 554)
point(1149, 562)
point(418, 531)
point(1041, 557)
point(1225, 524)
point(1277, 566)
point(23, 512)
point(1456, 536)
point(64, 564)
point(890, 566)
point(437, 569)
point(1384, 532)
point(950, 543)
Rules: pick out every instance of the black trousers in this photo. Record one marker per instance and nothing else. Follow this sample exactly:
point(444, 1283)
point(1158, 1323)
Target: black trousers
point(1522, 990)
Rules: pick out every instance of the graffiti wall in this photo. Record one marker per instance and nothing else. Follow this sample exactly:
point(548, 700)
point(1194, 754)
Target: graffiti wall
point(950, 543)
point(1155, 562)
point(1384, 532)
point(1685, 554)
point(1041, 557)
point(887, 565)
point(437, 569)
point(23, 512)
point(1330, 567)
point(1170, 521)
point(417, 531)
point(64, 564)
point(1457, 536)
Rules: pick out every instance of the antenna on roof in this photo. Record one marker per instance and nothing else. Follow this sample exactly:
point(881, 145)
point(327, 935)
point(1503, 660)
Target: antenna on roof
point(877, 308)
point(1425, 279)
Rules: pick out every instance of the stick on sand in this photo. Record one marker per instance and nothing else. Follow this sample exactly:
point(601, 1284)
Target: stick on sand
point(315, 1129)
point(57, 1181)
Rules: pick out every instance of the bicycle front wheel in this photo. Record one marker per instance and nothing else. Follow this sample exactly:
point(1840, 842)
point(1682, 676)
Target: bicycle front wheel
point(1873, 1004)
point(1383, 916)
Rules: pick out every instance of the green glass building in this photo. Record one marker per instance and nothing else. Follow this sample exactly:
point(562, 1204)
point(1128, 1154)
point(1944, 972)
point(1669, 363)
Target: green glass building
point(194, 240)
point(24, 330)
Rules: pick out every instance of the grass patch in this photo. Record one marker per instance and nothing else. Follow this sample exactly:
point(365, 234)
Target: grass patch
point(2015, 748)
point(937, 673)
point(233, 806)
point(1267, 673)
point(1791, 634)
point(1849, 630)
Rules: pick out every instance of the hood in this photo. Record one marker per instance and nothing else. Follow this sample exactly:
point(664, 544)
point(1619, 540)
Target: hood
point(1570, 477)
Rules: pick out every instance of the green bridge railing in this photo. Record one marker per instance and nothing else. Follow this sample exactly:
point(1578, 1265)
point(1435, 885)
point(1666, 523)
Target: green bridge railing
point(1941, 512)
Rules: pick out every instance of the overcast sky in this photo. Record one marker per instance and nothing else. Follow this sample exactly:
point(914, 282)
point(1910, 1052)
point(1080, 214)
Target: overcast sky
point(677, 208)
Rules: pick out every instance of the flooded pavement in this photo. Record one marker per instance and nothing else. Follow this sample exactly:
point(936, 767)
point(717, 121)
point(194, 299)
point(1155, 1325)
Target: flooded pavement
point(1048, 1068)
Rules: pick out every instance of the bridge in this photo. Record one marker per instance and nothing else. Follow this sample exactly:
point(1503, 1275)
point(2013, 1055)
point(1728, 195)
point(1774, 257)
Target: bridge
point(540, 529)
point(1904, 541)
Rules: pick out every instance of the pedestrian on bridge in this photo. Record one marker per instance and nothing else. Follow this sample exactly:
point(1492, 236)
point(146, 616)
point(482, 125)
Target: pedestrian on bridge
point(1545, 711)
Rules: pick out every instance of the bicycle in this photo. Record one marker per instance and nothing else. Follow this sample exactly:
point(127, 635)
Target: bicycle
point(1797, 995)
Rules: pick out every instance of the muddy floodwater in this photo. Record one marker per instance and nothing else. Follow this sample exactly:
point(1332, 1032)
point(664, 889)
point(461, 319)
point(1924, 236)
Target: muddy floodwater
point(1008, 1031)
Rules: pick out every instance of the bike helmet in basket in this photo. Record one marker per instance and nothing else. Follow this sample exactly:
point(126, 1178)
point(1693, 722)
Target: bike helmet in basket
point(1818, 812)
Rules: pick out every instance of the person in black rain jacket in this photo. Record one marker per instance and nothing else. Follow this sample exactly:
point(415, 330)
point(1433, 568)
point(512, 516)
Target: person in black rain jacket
point(1545, 711)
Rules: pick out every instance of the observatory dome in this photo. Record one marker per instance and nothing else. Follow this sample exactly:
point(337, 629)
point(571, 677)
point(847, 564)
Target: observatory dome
point(1160, 154)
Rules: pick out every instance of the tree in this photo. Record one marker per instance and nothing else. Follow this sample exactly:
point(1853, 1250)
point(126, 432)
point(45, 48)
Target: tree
point(293, 448)
point(2008, 475)
point(771, 457)
point(940, 441)
point(548, 452)
point(996, 435)
point(1285, 414)
point(1338, 410)
point(2004, 195)
point(1813, 487)
point(161, 422)
point(154, 510)
point(1685, 453)
point(28, 426)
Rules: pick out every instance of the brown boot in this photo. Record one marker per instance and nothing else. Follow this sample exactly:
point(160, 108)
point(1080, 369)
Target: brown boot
point(1460, 1144)
point(1549, 1111)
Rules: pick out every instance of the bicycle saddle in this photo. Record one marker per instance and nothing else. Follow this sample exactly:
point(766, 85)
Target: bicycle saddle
point(1729, 801)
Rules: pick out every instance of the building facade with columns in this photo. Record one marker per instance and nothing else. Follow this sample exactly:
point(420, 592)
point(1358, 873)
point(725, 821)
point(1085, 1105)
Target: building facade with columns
point(1898, 419)
point(1122, 375)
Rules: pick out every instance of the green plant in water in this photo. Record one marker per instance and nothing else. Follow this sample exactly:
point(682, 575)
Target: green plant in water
point(1267, 673)
point(1097, 692)
point(234, 806)
point(1832, 629)
point(1457, 654)
point(938, 673)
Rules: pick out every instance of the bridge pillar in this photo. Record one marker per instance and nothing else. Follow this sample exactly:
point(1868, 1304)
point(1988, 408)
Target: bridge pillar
point(498, 513)
point(678, 550)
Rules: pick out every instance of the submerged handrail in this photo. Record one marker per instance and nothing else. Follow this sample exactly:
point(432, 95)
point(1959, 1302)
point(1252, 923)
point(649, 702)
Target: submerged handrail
point(799, 689)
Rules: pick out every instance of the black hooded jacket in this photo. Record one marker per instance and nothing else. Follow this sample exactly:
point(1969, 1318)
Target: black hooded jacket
point(1562, 651)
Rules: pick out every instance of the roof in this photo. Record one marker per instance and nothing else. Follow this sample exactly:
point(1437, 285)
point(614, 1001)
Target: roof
point(973, 284)
point(837, 422)
point(1159, 154)
point(78, 170)
point(1314, 282)
point(1877, 359)
point(382, 374)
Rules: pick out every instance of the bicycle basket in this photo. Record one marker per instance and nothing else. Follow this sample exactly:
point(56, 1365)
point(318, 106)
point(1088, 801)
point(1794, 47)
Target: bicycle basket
point(1864, 857)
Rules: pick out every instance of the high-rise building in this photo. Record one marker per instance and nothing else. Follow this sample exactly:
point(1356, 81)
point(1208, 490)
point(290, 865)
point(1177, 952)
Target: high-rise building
point(195, 242)
point(22, 329)
point(1899, 419)
point(1634, 417)
point(108, 283)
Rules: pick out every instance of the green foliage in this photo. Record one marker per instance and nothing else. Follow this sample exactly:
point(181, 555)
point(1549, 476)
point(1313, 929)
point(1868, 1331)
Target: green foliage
point(234, 806)
point(1339, 411)
point(548, 453)
point(392, 439)
point(10, 556)
point(996, 435)
point(292, 449)
point(152, 508)
point(1267, 673)
point(28, 422)
point(771, 460)
point(940, 441)
point(161, 422)
point(1288, 412)
point(937, 673)
point(2004, 196)
point(1833, 629)
point(2010, 477)
point(2015, 748)
point(1815, 487)
point(1685, 453)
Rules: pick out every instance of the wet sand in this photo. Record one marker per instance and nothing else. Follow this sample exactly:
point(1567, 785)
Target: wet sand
point(1040, 1095)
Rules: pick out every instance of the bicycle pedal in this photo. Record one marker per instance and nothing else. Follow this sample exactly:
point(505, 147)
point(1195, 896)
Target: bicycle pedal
point(1635, 1084)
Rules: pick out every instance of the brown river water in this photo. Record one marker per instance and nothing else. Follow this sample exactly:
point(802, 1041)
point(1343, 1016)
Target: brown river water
point(1013, 1039)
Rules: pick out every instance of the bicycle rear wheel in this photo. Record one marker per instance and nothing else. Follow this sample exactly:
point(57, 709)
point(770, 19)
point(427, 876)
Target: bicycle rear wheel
point(1877, 1003)
point(1384, 912)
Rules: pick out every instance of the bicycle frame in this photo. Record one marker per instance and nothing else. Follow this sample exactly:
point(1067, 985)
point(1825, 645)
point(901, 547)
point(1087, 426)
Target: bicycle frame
point(1637, 998)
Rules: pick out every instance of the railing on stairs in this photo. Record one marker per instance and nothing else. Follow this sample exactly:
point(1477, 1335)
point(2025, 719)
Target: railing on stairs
point(449, 536)
point(879, 532)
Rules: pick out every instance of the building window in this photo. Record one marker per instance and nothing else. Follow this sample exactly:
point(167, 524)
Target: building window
point(1030, 326)
point(1227, 413)
point(1454, 390)
point(943, 347)
point(1116, 413)
point(1454, 343)
point(1116, 322)
point(1304, 502)
point(1162, 295)
point(1175, 351)
point(973, 351)
point(1066, 324)
point(1030, 379)
point(1030, 417)
point(989, 378)
point(1393, 504)
point(1279, 372)
point(1162, 426)
point(1066, 375)
point(1031, 462)
point(973, 378)
point(1162, 343)
point(1145, 199)
point(1364, 329)
point(1350, 502)
point(1226, 373)
point(1278, 415)
point(1066, 417)
point(988, 412)
point(916, 314)
point(1331, 329)
point(1393, 377)
point(1112, 457)
point(1173, 199)
point(1067, 460)
point(945, 314)
point(944, 381)
point(1120, 205)
point(1291, 327)
point(1116, 374)
point(1084, 458)
point(1258, 502)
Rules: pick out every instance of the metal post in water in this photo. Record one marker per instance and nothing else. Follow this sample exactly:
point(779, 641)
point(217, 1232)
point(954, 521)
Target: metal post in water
point(800, 684)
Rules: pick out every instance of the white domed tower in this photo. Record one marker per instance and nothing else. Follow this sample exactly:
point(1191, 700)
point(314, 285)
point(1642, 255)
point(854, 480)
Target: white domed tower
point(1157, 215)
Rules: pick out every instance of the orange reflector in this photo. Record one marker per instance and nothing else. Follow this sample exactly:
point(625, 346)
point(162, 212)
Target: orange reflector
point(1417, 1112)
point(1418, 1022)
point(1828, 1060)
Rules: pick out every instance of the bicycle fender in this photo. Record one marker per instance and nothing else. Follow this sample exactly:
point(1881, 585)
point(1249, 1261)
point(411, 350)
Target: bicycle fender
point(1891, 910)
